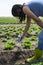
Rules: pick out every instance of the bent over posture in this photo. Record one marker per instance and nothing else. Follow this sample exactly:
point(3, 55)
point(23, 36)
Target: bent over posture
point(32, 10)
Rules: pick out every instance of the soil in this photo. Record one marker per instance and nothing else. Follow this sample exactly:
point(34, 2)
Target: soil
point(17, 55)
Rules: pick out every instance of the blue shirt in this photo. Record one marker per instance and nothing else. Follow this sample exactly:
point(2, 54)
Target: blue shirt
point(36, 8)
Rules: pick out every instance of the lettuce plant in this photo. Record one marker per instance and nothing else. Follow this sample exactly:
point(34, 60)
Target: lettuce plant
point(33, 38)
point(27, 44)
point(11, 42)
point(8, 47)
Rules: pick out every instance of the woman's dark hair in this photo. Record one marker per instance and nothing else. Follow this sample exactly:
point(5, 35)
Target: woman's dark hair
point(18, 12)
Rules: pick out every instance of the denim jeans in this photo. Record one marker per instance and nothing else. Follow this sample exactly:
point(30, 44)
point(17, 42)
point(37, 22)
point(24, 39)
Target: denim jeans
point(40, 40)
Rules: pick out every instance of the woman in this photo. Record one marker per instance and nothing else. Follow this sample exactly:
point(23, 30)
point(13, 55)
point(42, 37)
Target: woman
point(32, 10)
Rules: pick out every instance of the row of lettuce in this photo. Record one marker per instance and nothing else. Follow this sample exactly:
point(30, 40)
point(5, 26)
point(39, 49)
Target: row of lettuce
point(16, 30)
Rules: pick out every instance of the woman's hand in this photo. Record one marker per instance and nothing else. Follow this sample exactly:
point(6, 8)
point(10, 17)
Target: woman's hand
point(22, 36)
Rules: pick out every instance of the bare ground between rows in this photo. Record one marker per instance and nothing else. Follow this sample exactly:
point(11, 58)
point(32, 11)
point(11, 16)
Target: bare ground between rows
point(15, 57)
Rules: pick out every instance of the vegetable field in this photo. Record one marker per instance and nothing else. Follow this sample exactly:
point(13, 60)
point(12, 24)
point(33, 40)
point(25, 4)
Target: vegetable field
point(9, 31)
point(9, 35)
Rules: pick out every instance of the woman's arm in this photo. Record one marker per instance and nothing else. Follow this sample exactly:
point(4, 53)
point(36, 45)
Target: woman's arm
point(30, 14)
point(26, 27)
